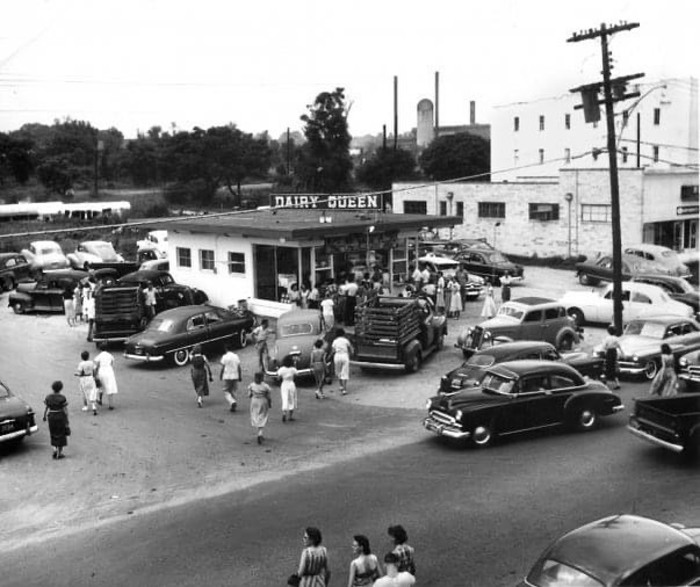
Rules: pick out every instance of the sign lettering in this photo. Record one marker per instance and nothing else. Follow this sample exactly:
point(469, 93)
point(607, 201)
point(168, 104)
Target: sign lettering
point(683, 210)
point(326, 202)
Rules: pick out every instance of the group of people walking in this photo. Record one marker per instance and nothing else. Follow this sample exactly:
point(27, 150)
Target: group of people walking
point(79, 304)
point(365, 570)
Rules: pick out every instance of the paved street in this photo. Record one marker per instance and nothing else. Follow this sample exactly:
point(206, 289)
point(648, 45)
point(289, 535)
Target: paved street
point(187, 497)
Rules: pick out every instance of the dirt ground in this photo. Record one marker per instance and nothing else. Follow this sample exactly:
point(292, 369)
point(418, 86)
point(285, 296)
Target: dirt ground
point(157, 449)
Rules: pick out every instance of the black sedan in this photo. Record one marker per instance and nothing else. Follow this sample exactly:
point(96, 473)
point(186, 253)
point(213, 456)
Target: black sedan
point(13, 268)
point(620, 550)
point(46, 294)
point(173, 334)
point(17, 419)
point(601, 269)
point(517, 396)
point(676, 287)
point(489, 264)
point(473, 370)
point(168, 293)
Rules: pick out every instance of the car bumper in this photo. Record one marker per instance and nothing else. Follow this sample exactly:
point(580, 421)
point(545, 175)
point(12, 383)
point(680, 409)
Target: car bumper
point(379, 365)
point(143, 358)
point(633, 427)
point(18, 433)
point(445, 429)
point(630, 368)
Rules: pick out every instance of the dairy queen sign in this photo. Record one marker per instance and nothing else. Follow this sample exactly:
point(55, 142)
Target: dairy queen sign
point(327, 201)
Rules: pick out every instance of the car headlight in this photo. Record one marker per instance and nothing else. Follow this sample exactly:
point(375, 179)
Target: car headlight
point(635, 358)
point(458, 415)
point(428, 404)
point(683, 362)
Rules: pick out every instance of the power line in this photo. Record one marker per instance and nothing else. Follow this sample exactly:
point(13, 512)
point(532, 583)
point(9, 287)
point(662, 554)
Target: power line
point(660, 144)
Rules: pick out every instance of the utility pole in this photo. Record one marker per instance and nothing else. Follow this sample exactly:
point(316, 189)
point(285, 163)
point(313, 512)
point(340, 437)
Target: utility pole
point(614, 90)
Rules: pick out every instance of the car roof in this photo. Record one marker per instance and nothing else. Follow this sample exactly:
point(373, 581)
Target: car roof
point(507, 348)
point(294, 316)
point(438, 260)
point(187, 311)
point(97, 242)
point(639, 286)
point(8, 255)
point(142, 275)
point(617, 545)
point(534, 301)
point(651, 248)
point(42, 243)
point(661, 277)
point(63, 273)
point(530, 367)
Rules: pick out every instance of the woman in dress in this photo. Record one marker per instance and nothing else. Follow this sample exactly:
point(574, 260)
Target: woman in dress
point(318, 365)
point(364, 568)
point(78, 303)
point(56, 412)
point(448, 297)
point(342, 349)
point(200, 373)
point(313, 568)
point(456, 299)
point(104, 374)
point(440, 294)
point(287, 372)
point(260, 403)
point(665, 383)
point(86, 382)
point(489, 308)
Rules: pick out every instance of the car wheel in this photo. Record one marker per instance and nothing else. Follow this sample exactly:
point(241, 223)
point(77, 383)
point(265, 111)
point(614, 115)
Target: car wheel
point(650, 370)
point(18, 307)
point(566, 342)
point(242, 339)
point(181, 357)
point(585, 418)
point(577, 316)
point(413, 363)
point(482, 435)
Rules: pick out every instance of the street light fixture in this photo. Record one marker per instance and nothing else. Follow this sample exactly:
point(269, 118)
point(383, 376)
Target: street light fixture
point(569, 197)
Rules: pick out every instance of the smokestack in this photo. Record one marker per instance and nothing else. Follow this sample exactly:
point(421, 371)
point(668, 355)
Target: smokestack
point(472, 112)
point(396, 112)
point(437, 103)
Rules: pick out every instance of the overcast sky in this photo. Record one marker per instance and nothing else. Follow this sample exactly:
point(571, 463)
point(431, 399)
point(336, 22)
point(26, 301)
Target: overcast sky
point(134, 64)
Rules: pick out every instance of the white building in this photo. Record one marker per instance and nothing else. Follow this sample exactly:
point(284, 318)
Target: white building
point(533, 140)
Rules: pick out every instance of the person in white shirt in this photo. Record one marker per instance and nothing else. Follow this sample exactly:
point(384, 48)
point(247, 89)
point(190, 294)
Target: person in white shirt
point(150, 301)
point(342, 349)
point(328, 312)
point(393, 577)
point(230, 375)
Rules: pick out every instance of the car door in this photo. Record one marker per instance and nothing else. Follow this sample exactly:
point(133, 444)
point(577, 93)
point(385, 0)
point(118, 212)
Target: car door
point(532, 326)
point(44, 295)
point(197, 331)
point(549, 392)
point(536, 402)
point(683, 337)
point(220, 327)
point(638, 304)
point(603, 269)
point(604, 309)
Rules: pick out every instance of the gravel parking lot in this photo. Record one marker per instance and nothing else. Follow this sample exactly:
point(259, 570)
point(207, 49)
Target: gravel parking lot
point(156, 448)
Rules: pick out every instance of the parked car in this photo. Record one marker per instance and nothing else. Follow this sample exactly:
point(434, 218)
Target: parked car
point(518, 396)
point(168, 293)
point(173, 334)
point(90, 253)
point(527, 318)
point(638, 299)
point(620, 550)
point(489, 264)
point(157, 240)
point(676, 287)
point(295, 334)
point(155, 265)
point(601, 269)
point(13, 268)
point(473, 370)
point(43, 255)
point(689, 366)
point(661, 256)
point(642, 339)
point(471, 289)
point(17, 418)
point(46, 293)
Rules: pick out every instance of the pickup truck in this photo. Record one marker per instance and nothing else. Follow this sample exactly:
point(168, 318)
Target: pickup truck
point(397, 333)
point(672, 422)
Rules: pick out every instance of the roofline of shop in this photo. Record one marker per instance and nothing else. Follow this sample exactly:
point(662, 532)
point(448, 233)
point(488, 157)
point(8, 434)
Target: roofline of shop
point(383, 223)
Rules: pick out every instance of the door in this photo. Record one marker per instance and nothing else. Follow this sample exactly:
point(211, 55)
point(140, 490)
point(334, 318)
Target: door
point(197, 332)
point(219, 328)
point(638, 304)
point(545, 402)
point(532, 326)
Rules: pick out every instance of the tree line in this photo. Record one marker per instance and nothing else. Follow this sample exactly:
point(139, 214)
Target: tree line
point(192, 166)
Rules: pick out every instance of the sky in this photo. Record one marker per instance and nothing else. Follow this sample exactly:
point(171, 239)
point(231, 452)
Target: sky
point(177, 64)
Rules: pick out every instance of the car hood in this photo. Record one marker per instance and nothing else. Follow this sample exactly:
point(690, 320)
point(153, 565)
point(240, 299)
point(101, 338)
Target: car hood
point(499, 322)
point(12, 407)
point(634, 344)
point(470, 399)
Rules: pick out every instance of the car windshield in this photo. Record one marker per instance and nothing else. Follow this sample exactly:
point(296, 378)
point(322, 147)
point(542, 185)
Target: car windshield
point(512, 311)
point(298, 329)
point(642, 328)
point(498, 384)
point(49, 250)
point(104, 250)
point(556, 574)
point(162, 325)
point(480, 361)
point(497, 258)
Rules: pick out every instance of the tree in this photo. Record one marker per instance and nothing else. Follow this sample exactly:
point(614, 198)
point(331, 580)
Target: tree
point(15, 158)
point(55, 174)
point(385, 167)
point(456, 156)
point(325, 163)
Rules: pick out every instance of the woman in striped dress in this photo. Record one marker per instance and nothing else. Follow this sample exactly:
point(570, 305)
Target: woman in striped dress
point(313, 567)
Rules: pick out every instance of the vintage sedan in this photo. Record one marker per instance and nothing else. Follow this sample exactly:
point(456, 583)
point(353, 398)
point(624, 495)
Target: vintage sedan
point(638, 299)
point(93, 253)
point(518, 396)
point(527, 318)
point(689, 365)
point(473, 370)
point(44, 255)
point(46, 293)
point(174, 333)
point(601, 269)
point(295, 334)
point(660, 256)
point(489, 264)
point(642, 339)
point(676, 287)
point(17, 419)
point(473, 285)
point(168, 293)
point(13, 268)
point(620, 551)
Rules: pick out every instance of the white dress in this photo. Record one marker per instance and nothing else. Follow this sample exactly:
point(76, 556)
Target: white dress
point(105, 372)
point(288, 389)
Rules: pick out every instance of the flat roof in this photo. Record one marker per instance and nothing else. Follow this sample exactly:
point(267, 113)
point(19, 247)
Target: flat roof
point(293, 224)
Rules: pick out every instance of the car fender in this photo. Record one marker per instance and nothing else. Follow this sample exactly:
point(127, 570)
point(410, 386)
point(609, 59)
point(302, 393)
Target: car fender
point(590, 396)
point(20, 296)
point(564, 331)
point(412, 347)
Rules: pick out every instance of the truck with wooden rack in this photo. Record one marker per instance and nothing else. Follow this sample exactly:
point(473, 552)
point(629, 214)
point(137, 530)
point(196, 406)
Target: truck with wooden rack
point(397, 333)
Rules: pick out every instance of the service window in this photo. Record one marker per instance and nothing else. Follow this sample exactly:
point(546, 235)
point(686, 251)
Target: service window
point(236, 262)
point(196, 322)
point(534, 316)
point(206, 260)
point(184, 257)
